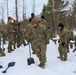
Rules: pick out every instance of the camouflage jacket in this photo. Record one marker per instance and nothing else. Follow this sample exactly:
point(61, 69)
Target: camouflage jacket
point(37, 35)
point(64, 35)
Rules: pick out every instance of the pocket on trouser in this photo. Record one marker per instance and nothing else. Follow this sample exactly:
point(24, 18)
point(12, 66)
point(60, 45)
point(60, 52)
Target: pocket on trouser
point(60, 49)
point(65, 53)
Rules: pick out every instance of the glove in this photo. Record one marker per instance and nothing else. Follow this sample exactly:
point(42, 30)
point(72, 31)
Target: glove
point(58, 41)
point(47, 42)
point(63, 43)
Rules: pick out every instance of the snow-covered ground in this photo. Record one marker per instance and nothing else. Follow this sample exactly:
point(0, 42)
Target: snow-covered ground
point(54, 66)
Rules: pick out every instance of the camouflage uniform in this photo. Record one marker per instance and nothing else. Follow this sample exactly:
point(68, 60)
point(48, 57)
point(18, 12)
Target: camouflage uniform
point(23, 36)
point(15, 28)
point(71, 38)
point(4, 33)
point(75, 40)
point(1, 51)
point(38, 38)
point(28, 28)
point(0, 45)
point(44, 22)
point(49, 29)
point(10, 32)
point(63, 42)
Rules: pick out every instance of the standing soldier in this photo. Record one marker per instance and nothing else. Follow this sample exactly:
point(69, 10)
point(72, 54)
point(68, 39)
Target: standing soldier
point(32, 16)
point(1, 50)
point(15, 27)
point(63, 42)
point(10, 32)
point(37, 35)
point(4, 34)
point(50, 31)
point(43, 21)
point(70, 37)
point(20, 36)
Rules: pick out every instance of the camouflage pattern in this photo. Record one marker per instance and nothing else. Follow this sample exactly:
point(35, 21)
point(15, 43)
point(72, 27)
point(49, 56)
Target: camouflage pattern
point(69, 37)
point(10, 33)
point(39, 39)
point(4, 34)
point(20, 36)
point(75, 40)
point(63, 38)
point(44, 22)
point(15, 28)
point(1, 50)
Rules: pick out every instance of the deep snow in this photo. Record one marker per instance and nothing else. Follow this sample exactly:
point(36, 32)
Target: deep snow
point(54, 66)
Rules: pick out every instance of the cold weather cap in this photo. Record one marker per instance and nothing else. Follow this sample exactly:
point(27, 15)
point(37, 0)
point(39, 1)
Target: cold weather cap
point(34, 21)
point(60, 25)
point(9, 18)
point(42, 16)
point(32, 13)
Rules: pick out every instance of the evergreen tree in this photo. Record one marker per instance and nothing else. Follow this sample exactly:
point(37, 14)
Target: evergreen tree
point(74, 13)
point(60, 12)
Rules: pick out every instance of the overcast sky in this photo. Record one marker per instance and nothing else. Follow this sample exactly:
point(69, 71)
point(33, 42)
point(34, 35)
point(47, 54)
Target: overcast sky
point(28, 7)
point(28, 4)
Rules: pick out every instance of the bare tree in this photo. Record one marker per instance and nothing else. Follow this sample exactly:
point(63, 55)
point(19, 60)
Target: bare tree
point(53, 15)
point(16, 4)
point(7, 9)
point(2, 10)
point(33, 7)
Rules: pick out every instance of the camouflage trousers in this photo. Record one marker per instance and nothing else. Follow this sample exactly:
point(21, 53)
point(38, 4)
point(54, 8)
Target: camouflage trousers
point(40, 50)
point(62, 51)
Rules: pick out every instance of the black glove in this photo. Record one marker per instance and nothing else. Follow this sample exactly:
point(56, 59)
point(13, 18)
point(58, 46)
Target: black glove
point(63, 43)
point(58, 41)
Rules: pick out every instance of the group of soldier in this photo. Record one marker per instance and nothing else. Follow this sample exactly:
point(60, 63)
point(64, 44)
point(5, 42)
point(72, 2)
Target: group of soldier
point(38, 33)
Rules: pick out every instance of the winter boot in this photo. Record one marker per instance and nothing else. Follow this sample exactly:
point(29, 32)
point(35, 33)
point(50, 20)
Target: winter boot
point(2, 52)
point(58, 57)
point(42, 65)
point(33, 52)
point(65, 59)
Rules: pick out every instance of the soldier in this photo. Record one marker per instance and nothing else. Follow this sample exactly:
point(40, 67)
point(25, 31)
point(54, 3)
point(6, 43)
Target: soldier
point(75, 41)
point(63, 42)
point(20, 36)
point(1, 50)
point(43, 21)
point(10, 32)
point(70, 37)
point(37, 35)
point(32, 17)
point(50, 31)
point(4, 34)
